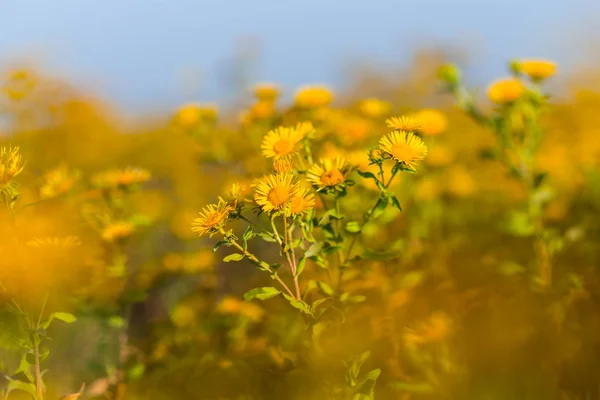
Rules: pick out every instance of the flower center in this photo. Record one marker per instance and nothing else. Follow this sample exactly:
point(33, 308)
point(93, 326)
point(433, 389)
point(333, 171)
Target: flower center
point(283, 147)
point(212, 219)
point(403, 152)
point(332, 178)
point(279, 195)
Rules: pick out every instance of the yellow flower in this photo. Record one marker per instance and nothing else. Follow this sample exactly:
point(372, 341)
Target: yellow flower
point(459, 182)
point(374, 108)
point(537, 69)
point(212, 218)
point(431, 122)
point(281, 165)
point(313, 97)
point(266, 92)
point(192, 113)
point(427, 189)
point(262, 109)
point(19, 83)
point(281, 142)
point(11, 165)
point(404, 123)
point(117, 230)
point(404, 147)
point(302, 201)
point(439, 156)
point(183, 315)
point(229, 305)
point(275, 192)
point(54, 242)
point(120, 177)
point(173, 261)
point(199, 261)
point(328, 173)
point(353, 129)
point(58, 181)
point(506, 90)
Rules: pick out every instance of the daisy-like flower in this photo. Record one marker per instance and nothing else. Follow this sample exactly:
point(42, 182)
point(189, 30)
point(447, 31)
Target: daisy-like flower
point(11, 164)
point(267, 92)
point(275, 192)
point(431, 122)
point(313, 96)
point(121, 177)
point(537, 69)
point(303, 201)
point(282, 165)
point(192, 113)
point(506, 90)
point(117, 230)
point(54, 242)
point(281, 142)
point(58, 181)
point(404, 147)
point(374, 108)
point(404, 123)
point(328, 173)
point(211, 218)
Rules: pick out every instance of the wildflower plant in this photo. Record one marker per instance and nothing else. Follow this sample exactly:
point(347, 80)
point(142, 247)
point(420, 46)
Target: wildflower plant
point(303, 208)
point(517, 122)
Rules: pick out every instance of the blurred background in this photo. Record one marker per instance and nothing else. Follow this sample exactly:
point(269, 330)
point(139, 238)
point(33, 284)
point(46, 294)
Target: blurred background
point(149, 54)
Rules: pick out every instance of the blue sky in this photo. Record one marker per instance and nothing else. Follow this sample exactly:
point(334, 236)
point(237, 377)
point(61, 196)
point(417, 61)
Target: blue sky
point(136, 52)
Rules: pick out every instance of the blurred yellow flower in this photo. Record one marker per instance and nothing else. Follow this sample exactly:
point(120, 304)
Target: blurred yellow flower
point(183, 315)
point(431, 122)
point(302, 201)
point(121, 177)
point(328, 172)
point(275, 192)
point(282, 165)
point(54, 242)
point(459, 182)
point(11, 165)
point(313, 96)
point(404, 123)
point(439, 156)
point(58, 181)
point(537, 69)
point(191, 114)
point(117, 230)
point(506, 90)
point(427, 189)
point(353, 129)
point(281, 142)
point(374, 108)
point(262, 109)
point(173, 261)
point(404, 147)
point(266, 92)
point(199, 261)
point(18, 83)
point(211, 219)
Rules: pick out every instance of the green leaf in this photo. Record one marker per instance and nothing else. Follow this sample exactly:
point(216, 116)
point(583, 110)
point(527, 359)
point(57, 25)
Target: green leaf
point(233, 257)
point(519, 224)
point(380, 255)
point(261, 293)
point(354, 369)
point(301, 265)
point(325, 288)
point(367, 383)
point(299, 304)
point(314, 249)
point(23, 386)
point(267, 237)
point(380, 207)
point(359, 298)
point(140, 220)
point(353, 227)
point(219, 244)
point(248, 234)
point(368, 175)
point(61, 316)
point(511, 269)
point(329, 215)
point(396, 203)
